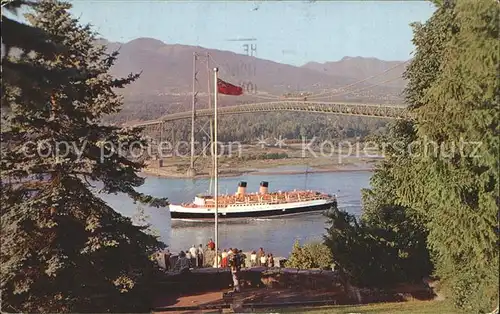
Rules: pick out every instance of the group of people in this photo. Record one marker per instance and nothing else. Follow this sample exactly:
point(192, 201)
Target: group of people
point(226, 256)
point(233, 259)
point(195, 255)
point(260, 258)
point(199, 256)
point(257, 259)
point(191, 258)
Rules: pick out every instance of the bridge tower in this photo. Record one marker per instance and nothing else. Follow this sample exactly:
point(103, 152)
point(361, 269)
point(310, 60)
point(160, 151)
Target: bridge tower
point(191, 172)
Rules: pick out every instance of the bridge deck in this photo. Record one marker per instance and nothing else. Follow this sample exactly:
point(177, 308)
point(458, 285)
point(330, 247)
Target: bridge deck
point(368, 110)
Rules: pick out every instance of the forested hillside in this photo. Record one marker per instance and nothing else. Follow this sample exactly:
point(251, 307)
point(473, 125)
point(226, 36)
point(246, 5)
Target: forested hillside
point(247, 128)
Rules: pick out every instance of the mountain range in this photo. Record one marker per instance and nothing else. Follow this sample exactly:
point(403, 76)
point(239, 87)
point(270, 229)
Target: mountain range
point(166, 82)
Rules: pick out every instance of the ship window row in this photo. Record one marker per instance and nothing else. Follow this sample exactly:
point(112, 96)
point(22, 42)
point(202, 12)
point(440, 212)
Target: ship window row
point(253, 204)
point(257, 204)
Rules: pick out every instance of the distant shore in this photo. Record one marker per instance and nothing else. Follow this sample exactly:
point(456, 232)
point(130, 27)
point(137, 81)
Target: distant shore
point(168, 172)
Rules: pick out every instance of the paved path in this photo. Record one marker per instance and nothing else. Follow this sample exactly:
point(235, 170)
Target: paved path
point(254, 295)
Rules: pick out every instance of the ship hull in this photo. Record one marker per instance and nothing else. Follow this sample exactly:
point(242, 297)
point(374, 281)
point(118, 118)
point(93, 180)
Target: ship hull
point(177, 213)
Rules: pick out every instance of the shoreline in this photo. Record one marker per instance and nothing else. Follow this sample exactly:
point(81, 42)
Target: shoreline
point(169, 175)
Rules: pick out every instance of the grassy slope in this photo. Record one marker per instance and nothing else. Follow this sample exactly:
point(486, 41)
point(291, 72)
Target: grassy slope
point(413, 307)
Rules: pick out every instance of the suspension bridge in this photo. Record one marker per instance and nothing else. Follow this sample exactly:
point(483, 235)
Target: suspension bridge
point(337, 108)
point(311, 103)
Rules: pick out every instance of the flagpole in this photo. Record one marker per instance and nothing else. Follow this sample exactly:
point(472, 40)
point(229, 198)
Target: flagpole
point(216, 172)
point(211, 122)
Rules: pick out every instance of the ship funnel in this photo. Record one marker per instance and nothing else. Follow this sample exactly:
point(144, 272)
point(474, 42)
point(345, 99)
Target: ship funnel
point(263, 187)
point(242, 186)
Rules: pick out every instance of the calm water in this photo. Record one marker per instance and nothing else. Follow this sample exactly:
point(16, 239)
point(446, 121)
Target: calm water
point(275, 235)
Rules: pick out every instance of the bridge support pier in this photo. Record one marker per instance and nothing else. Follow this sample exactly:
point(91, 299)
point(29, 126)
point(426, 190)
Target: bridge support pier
point(191, 172)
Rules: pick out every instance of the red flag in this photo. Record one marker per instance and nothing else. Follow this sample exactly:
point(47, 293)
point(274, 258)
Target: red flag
point(228, 89)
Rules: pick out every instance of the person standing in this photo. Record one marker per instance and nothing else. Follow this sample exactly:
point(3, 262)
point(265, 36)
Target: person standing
point(211, 244)
point(260, 253)
point(188, 257)
point(194, 256)
point(242, 257)
point(263, 260)
point(224, 262)
point(217, 260)
point(166, 256)
point(200, 256)
point(270, 260)
point(235, 266)
point(253, 259)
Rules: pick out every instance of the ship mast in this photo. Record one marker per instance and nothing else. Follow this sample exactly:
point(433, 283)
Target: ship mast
point(211, 122)
point(216, 171)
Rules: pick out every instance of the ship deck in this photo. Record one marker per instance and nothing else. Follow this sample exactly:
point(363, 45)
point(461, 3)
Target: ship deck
point(251, 212)
point(257, 199)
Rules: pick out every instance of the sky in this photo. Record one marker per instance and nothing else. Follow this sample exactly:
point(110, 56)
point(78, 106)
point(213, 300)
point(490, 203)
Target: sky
point(292, 32)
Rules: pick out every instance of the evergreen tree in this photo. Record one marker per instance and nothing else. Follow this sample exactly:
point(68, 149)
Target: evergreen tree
point(63, 248)
point(387, 244)
point(19, 38)
point(450, 184)
point(441, 179)
point(351, 248)
point(458, 110)
point(380, 249)
point(399, 230)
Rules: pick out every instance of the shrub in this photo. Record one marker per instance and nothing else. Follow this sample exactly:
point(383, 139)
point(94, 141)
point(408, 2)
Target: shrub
point(310, 256)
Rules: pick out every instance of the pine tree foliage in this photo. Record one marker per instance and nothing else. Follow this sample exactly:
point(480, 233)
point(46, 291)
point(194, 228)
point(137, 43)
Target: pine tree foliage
point(429, 39)
point(351, 248)
point(63, 248)
point(22, 36)
point(399, 230)
point(380, 249)
point(387, 244)
point(26, 39)
point(450, 183)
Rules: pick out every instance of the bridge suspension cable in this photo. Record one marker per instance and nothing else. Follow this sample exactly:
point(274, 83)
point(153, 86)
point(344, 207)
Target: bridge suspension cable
point(338, 93)
point(335, 92)
point(341, 93)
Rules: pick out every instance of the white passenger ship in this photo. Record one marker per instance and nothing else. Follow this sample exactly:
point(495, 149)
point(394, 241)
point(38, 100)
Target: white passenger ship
point(261, 204)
